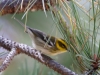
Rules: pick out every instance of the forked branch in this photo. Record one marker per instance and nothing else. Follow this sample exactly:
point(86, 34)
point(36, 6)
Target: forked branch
point(16, 48)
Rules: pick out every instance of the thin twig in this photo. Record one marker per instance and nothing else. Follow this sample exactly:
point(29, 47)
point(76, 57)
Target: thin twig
point(8, 59)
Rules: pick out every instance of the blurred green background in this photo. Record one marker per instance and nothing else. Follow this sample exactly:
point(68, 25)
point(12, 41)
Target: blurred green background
point(23, 64)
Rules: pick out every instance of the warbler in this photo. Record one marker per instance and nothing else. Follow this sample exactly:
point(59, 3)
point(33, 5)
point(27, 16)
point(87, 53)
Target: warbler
point(47, 44)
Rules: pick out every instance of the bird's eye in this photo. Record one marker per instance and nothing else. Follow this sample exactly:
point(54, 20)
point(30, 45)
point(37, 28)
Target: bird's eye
point(63, 46)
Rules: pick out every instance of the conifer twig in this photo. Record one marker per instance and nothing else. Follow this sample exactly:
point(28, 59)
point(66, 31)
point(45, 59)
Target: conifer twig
point(8, 59)
point(22, 48)
point(18, 6)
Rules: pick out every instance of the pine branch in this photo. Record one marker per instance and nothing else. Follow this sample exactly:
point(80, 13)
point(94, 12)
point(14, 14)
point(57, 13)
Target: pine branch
point(18, 6)
point(22, 48)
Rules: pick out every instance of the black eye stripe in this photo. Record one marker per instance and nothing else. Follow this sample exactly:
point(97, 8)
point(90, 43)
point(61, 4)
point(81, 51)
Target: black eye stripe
point(61, 44)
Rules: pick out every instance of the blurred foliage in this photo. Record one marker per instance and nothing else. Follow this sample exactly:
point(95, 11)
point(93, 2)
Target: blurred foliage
point(80, 33)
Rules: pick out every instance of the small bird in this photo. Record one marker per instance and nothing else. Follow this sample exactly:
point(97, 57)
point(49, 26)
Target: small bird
point(47, 44)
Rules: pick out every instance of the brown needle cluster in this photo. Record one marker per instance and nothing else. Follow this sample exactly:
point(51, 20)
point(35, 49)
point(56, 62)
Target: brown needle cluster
point(18, 6)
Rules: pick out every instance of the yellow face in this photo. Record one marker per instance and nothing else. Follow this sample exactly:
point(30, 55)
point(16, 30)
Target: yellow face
point(61, 45)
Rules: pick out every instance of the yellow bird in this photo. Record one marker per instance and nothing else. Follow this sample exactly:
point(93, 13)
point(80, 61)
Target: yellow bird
point(48, 45)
